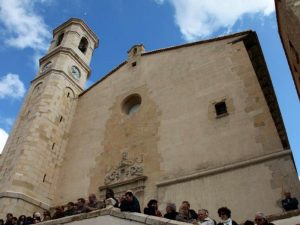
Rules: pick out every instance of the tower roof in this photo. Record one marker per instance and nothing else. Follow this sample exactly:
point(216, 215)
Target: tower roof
point(82, 24)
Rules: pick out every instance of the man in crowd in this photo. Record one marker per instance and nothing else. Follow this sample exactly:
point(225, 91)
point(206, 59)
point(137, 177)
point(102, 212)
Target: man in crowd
point(93, 203)
point(184, 215)
point(203, 218)
point(260, 219)
point(59, 212)
point(129, 203)
point(81, 207)
point(171, 211)
point(192, 212)
point(9, 217)
point(289, 203)
point(71, 210)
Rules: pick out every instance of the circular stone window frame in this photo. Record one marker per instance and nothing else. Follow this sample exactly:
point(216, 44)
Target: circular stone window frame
point(131, 104)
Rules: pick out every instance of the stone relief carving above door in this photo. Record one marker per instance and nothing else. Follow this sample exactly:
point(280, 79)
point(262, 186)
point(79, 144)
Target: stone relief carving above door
point(125, 170)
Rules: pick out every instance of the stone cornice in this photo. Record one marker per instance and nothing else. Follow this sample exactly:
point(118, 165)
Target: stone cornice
point(26, 198)
point(69, 52)
point(82, 24)
point(136, 179)
point(58, 72)
point(225, 168)
point(260, 67)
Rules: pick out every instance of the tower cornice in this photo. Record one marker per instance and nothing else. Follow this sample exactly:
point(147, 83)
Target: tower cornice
point(57, 72)
point(82, 24)
point(69, 52)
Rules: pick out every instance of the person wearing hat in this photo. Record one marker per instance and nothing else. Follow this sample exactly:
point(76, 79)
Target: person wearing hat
point(130, 203)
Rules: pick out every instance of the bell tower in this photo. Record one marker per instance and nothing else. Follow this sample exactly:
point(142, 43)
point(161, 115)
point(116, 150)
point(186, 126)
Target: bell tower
point(33, 154)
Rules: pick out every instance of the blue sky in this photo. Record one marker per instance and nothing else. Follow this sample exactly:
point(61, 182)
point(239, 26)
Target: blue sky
point(26, 31)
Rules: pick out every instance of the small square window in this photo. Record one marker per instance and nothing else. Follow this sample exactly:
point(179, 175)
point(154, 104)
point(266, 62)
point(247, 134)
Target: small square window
point(221, 109)
point(133, 64)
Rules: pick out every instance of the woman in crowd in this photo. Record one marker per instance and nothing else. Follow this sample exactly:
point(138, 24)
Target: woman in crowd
point(152, 208)
point(171, 211)
point(225, 215)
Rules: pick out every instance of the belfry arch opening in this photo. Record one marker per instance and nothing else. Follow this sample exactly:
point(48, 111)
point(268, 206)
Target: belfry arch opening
point(59, 39)
point(83, 45)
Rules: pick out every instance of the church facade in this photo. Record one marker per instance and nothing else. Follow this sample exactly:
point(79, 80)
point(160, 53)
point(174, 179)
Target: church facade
point(197, 122)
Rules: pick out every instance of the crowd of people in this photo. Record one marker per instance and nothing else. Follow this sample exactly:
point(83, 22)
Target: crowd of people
point(129, 203)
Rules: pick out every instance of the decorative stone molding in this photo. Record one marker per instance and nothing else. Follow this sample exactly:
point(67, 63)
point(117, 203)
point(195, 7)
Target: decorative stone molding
point(127, 169)
point(26, 198)
point(67, 51)
point(225, 168)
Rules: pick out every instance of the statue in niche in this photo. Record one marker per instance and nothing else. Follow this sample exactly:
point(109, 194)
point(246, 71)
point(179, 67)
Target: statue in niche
point(126, 169)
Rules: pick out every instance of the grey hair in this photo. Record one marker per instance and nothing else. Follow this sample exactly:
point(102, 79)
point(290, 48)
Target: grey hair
point(204, 210)
point(260, 214)
point(172, 206)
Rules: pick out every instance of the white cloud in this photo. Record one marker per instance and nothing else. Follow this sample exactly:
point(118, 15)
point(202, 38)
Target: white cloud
point(11, 86)
point(201, 18)
point(22, 26)
point(3, 139)
point(7, 121)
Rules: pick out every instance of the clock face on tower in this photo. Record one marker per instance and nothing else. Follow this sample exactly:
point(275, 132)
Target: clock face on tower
point(75, 72)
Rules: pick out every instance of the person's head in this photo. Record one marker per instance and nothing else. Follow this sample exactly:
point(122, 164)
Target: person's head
point(70, 205)
point(36, 214)
point(287, 194)
point(109, 193)
point(1, 222)
point(152, 203)
point(36, 220)
point(248, 222)
point(129, 196)
point(186, 203)
point(170, 207)
point(14, 220)
point(9, 216)
point(184, 210)
point(202, 214)
point(92, 198)
point(260, 218)
point(80, 202)
point(22, 218)
point(224, 213)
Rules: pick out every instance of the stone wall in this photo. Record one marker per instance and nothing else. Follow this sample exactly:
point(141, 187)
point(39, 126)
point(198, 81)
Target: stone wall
point(288, 18)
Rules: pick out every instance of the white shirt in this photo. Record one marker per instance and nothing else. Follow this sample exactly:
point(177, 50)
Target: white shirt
point(206, 221)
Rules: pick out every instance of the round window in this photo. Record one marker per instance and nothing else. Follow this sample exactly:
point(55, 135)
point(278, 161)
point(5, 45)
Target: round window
point(131, 104)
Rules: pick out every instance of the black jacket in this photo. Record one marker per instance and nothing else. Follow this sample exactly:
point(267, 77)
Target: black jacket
point(171, 215)
point(133, 206)
point(289, 204)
